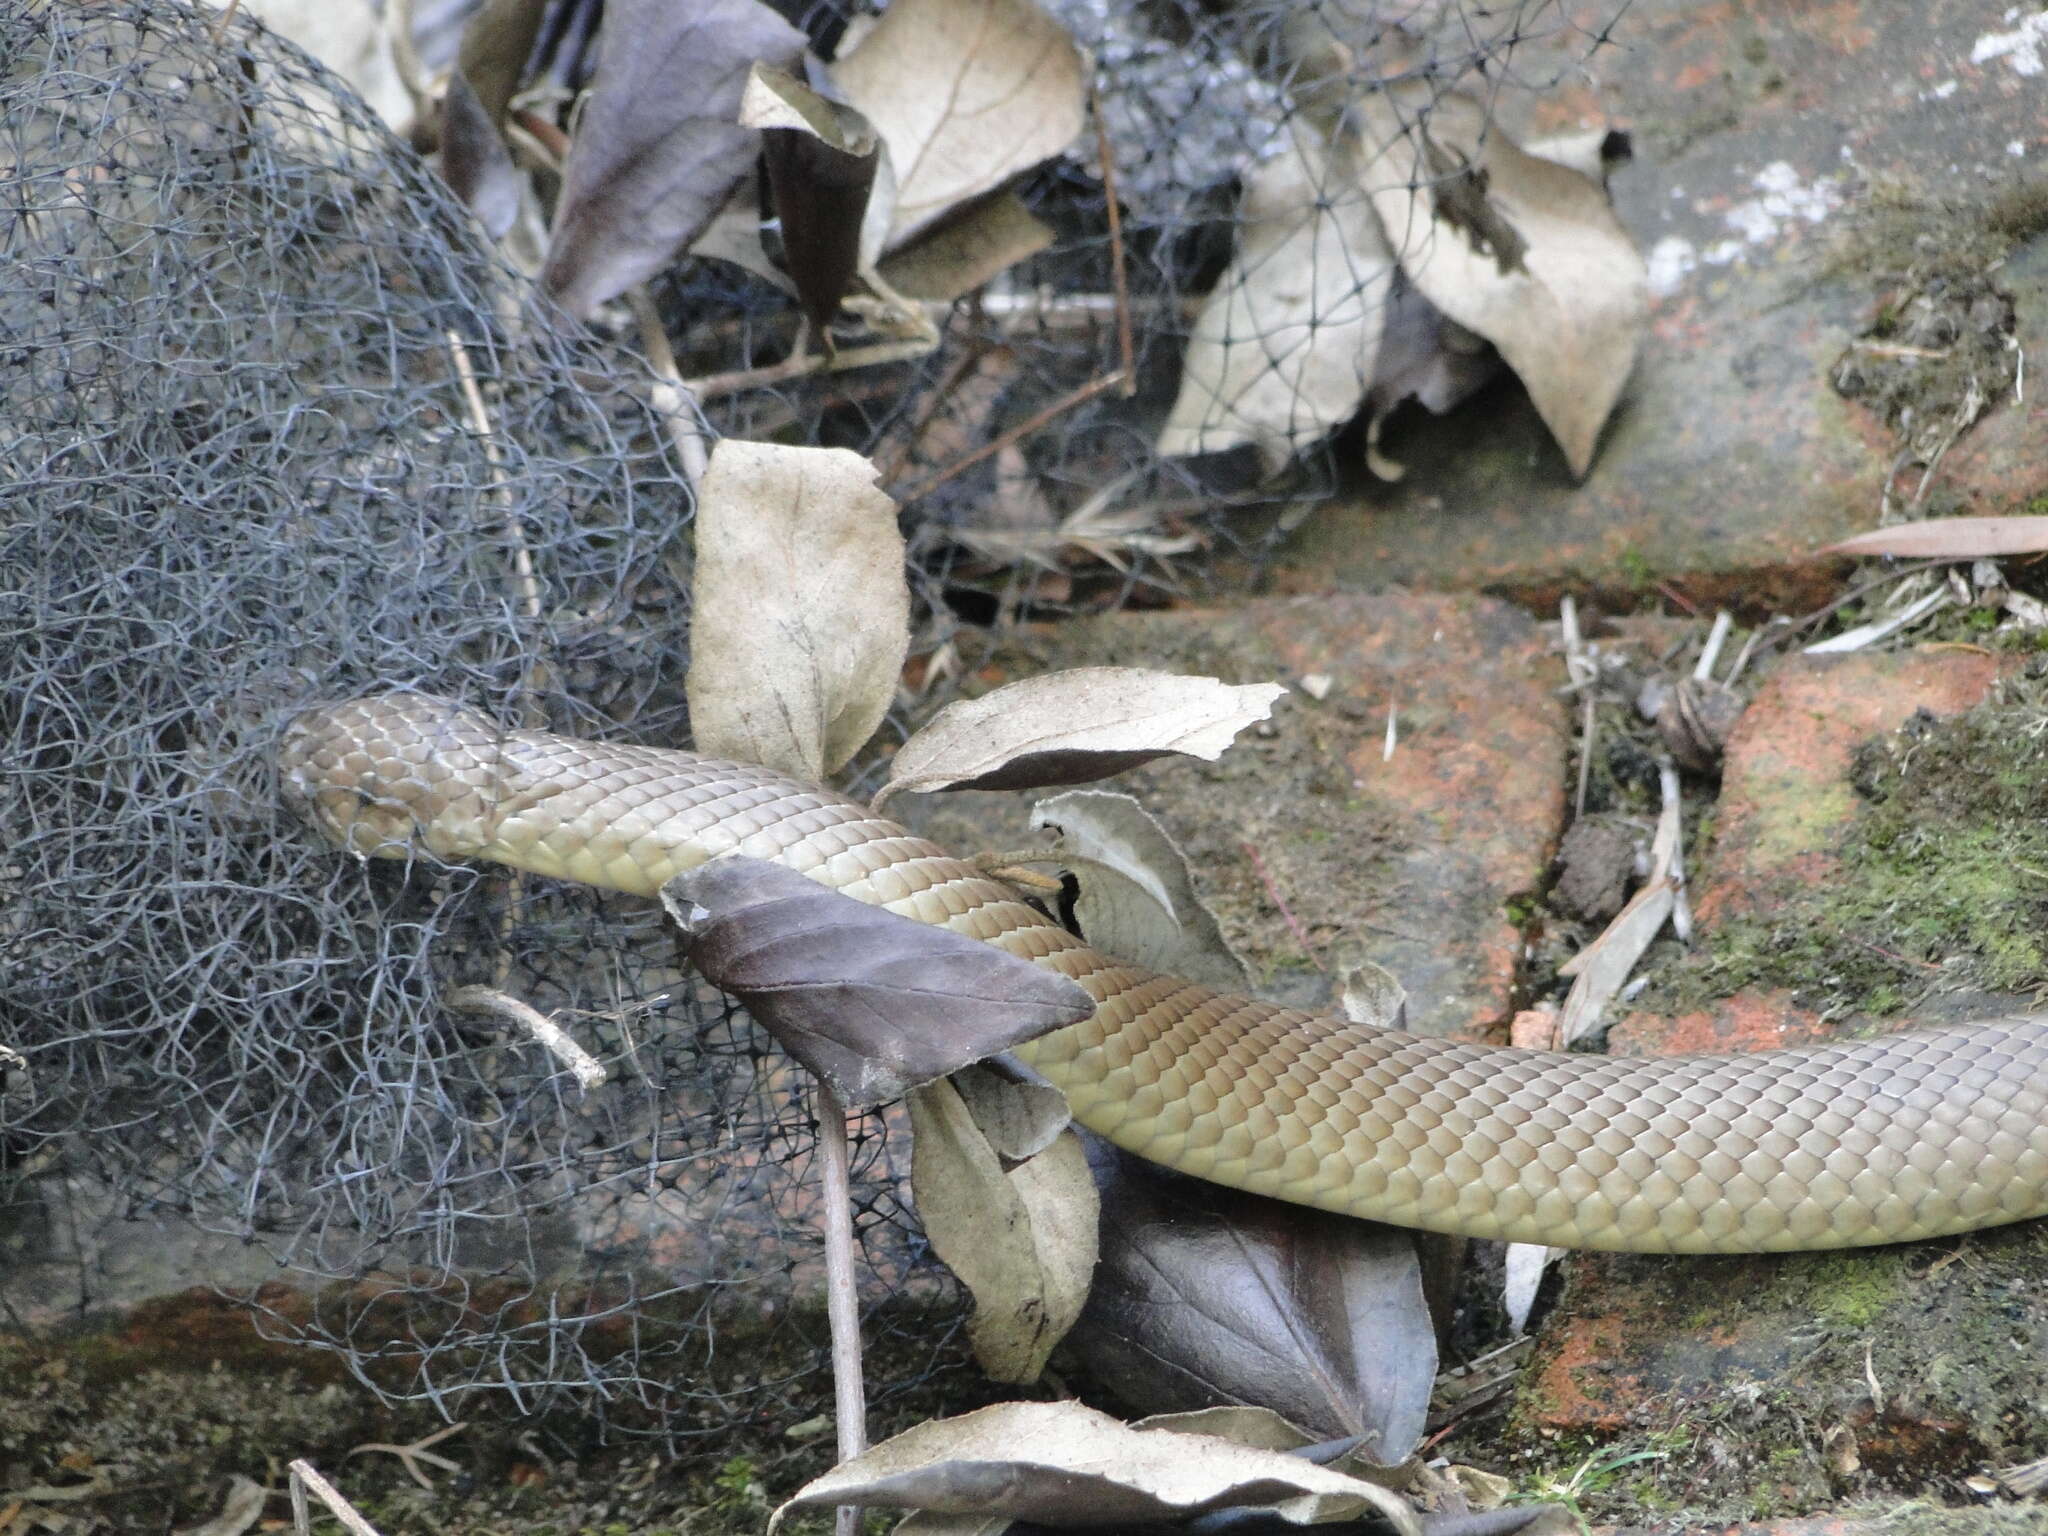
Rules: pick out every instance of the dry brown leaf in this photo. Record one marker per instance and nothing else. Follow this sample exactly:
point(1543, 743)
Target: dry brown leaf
point(966, 94)
point(1369, 993)
point(734, 235)
point(873, 1003)
point(1285, 345)
point(1951, 538)
point(1063, 1464)
point(1135, 897)
point(1206, 1295)
point(1075, 726)
point(1020, 1237)
point(800, 615)
point(961, 254)
point(1568, 312)
point(821, 158)
point(658, 148)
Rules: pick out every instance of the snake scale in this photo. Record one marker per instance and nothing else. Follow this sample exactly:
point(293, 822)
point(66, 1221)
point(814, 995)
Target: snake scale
point(1906, 1136)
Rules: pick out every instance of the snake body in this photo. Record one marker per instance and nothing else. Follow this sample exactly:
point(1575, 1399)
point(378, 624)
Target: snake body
point(1911, 1135)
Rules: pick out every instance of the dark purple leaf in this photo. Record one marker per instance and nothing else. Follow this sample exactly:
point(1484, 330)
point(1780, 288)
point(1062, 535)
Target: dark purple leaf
point(1207, 1296)
point(659, 147)
point(474, 160)
point(873, 1003)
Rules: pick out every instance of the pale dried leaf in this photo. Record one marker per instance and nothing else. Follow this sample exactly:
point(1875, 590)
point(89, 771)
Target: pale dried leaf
point(1063, 1464)
point(800, 615)
point(925, 1522)
point(1369, 993)
point(1865, 635)
point(1136, 898)
point(872, 1002)
point(735, 236)
point(239, 1511)
point(1285, 346)
point(1567, 306)
point(1951, 538)
point(1018, 1111)
point(1522, 1278)
point(1206, 1295)
point(658, 148)
point(1021, 1238)
point(1075, 726)
point(967, 94)
point(966, 251)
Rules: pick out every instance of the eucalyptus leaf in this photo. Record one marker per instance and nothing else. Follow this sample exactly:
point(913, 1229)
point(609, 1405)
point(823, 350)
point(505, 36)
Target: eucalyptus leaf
point(1207, 1296)
point(800, 612)
point(872, 1002)
point(1065, 1465)
point(659, 147)
point(1074, 726)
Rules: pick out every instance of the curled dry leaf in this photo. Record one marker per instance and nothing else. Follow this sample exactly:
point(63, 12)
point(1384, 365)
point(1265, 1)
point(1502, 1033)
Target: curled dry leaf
point(800, 613)
point(1285, 345)
point(1074, 726)
point(1062, 1464)
point(871, 1002)
point(1951, 538)
point(821, 159)
point(961, 254)
point(1206, 1296)
point(659, 146)
point(1135, 897)
point(475, 162)
point(966, 94)
point(1369, 993)
point(1566, 303)
point(1020, 1234)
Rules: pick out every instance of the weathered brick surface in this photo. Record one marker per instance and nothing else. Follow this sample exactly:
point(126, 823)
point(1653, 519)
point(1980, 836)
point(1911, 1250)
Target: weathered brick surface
point(1731, 460)
point(1412, 858)
point(1781, 1351)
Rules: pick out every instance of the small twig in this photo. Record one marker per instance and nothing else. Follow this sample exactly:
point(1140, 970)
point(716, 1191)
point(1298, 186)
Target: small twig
point(220, 25)
point(1126, 351)
point(713, 386)
point(544, 133)
point(1589, 728)
point(1870, 1377)
point(1393, 733)
point(412, 1455)
point(306, 1480)
point(1710, 653)
point(1022, 430)
point(1286, 913)
point(405, 54)
point(671, 396)
point(841, 1305)
point(586, 1068)
point(480, 424)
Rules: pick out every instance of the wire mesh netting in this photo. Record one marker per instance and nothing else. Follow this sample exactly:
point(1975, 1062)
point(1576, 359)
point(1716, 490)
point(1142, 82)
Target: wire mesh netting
point(277, 428)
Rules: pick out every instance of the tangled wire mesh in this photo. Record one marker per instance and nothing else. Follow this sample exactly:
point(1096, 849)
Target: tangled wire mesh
point(278, 428)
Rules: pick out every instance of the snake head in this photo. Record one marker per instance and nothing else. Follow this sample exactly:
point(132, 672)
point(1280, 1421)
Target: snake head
point(386, 777)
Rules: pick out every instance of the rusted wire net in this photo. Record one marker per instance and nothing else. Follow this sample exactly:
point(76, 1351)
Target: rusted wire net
point(244, 473)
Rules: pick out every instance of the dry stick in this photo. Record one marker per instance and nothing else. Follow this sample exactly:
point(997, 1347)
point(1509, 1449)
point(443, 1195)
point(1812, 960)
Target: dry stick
point(1124, 378)
point(227, 14)
point(405, 54)
point(304, 1478)
point(671, 397)
point(801, 365)
point(1286, 914)
point(492, 1003)
point(1126, 351)
point(849, 1393)
point(529, 596)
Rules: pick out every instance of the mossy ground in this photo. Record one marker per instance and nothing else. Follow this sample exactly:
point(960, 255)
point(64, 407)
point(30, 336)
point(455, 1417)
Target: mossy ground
point(1942, 882)
point(1762, 1387)
point(166, 1407)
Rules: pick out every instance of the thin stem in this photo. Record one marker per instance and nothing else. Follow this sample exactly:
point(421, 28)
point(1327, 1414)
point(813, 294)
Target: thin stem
point(841, 1305)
